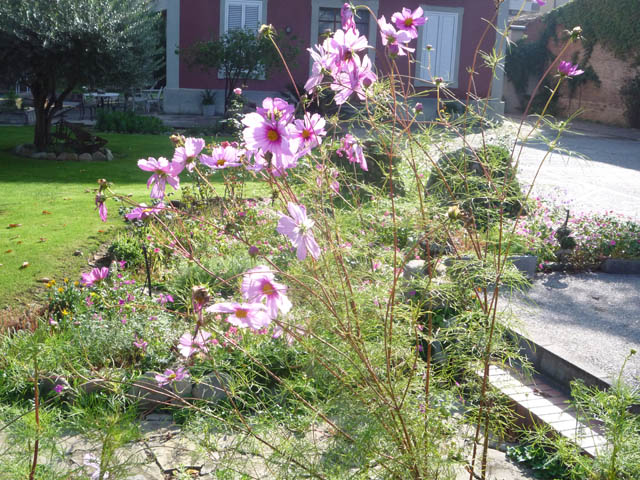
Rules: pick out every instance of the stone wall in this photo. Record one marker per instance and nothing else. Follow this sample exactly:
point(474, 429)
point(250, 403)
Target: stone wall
point(599, 104)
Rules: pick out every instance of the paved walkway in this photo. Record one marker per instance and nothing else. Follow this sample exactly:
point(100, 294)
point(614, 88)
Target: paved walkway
point(592, 319)
point(596, 166)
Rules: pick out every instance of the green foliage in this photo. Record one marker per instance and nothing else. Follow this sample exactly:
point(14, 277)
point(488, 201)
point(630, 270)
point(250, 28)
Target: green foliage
point(127, 248)
point(239, 55)
point(542, 461)
point(524, 61)
point(128, 122)
point(55, 47)
point(481, 182)
point(631, 95)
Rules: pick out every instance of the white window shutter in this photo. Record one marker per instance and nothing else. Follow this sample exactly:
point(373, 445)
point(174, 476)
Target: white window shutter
point(252, 17)
point(441, 32)
point(234, 17)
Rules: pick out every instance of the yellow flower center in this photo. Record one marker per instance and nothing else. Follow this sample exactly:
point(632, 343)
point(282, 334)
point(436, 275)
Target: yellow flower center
point(306, 134)
point(241, 313)
point(408, 22)
point(220, 162)
point(273, 135)
point(268, 289)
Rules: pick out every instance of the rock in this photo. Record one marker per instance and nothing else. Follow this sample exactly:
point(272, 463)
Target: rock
point(51, 156)
point(85, 157)
point(77, 253)
point(413, 268)
point(68, 157)
point(211, 387)
point(109, 155)
point(39, 155)
point(46, 385)
point(527, 264)
point(26, 149)
point(149, 395)
point(95, 385)
point(43, 280)
point(99, 157)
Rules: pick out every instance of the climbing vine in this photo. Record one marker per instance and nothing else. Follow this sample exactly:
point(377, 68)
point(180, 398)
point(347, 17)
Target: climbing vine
point(615, 24)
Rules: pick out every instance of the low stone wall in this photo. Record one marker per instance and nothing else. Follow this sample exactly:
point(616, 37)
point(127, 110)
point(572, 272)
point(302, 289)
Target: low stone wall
point(31, 151)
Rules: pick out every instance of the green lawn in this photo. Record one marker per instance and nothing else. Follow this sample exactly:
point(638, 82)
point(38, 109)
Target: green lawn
point(54, 204)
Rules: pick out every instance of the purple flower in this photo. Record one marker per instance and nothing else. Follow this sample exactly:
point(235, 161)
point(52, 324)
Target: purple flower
point(59, 388)
point(409, 21)
point(540, 2)
point(254, 251)
point(164, 299)
point(356, 79)
point(310, 130)
point(171, 376)
point(567, 69)
point(243, 315)
point(322, 63)
point(396, 40)
point(419, 107)
point(141, 344)
point(271, 135)
point(95, 275)
point(163, 172)
point(186, 155)
point(298, 228)
point(344, 46)
point(348, 23)
point(352, 148)
point(221, 157)
point(188, 344)
point(101, 206)
point(141, 212)
point(259, 284)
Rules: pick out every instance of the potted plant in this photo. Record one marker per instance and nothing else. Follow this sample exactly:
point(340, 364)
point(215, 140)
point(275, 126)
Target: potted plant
point(208, 103)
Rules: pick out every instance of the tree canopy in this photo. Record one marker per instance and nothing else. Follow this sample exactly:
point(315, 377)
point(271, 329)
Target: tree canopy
point(54, 46)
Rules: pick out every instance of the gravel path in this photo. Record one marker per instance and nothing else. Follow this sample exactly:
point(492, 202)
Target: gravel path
point(593, 317)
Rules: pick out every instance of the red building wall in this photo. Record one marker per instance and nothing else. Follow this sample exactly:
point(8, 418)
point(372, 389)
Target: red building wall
point(199, 20)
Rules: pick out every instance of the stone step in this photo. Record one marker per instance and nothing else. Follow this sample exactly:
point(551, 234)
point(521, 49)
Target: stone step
point(536, 401)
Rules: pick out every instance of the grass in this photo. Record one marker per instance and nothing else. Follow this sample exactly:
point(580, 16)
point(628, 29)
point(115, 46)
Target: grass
point(53, 204)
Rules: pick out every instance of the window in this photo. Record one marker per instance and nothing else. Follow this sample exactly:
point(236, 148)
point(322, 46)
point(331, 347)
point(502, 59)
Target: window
point(442, 31)
point(243, 14)
point(329, 20)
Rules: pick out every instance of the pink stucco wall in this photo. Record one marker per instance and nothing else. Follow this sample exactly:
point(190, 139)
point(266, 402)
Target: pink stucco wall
point(199, 20)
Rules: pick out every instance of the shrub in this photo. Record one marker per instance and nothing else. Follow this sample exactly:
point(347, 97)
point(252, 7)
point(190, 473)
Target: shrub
point(128, 122)
point(126, 248)
point(631, 96)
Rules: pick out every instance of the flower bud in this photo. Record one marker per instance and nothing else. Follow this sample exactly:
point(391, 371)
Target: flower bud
point(200, 296)
point(453, 213)
point(177, 140)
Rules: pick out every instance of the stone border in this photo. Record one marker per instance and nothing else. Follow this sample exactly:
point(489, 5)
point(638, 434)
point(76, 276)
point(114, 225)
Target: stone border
point(620, 266)
point(31, 151)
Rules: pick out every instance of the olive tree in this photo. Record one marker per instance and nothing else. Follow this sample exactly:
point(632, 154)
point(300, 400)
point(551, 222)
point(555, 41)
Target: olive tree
point(55, 46)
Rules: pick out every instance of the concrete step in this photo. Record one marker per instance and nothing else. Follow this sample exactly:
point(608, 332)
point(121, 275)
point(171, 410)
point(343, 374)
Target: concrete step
point(536, 401)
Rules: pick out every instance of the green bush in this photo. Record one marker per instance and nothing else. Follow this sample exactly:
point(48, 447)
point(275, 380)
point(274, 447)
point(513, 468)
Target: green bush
point(128, 122)
point(481, 183)
point(631, 95)
point(128, 249)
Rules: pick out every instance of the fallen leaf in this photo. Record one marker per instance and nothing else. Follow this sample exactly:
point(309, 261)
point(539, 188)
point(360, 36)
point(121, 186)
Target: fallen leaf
point(14, 225)
point(43, 280)
point(24, 265)
point(46, 212)
point(9, 251)
point(67, 198)
point(42, 240)
point(100, 231)
point(19, 242)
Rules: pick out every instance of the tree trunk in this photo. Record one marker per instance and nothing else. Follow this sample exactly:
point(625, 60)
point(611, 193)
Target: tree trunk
point(42, 135)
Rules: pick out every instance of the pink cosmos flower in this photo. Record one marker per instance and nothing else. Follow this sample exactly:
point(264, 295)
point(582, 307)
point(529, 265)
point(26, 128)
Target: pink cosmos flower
point(567, 69)
point(268, 135)
point(356, 80)
point(310, 130)
point(95, 275)
point(346, 14)
point(352, 148)
point(164, 299)
point(396, 40)
point(59, 388)
point(298, 228)
point(171, 376)
point(322, 64)
point(163, 172)
point(345, 45)
point(409, 21)
point(101, 206)
point(276, 109)
point(188, 344)
point(187, 155)
point(90, 460)
point(243, 315)
point(221, 157)
point(259, 284)
point(540, 2)
point(141, 212)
